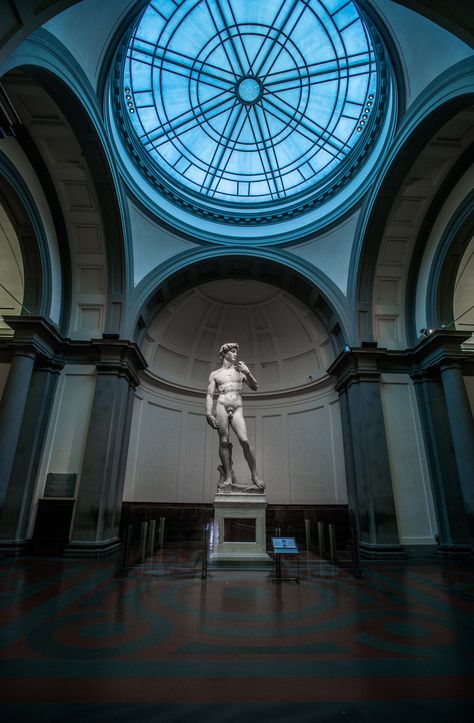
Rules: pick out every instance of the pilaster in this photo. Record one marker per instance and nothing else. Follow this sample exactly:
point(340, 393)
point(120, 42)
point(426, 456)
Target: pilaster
point(97, 515)
point(369, 480)
point(437, 370)
point(22, 405)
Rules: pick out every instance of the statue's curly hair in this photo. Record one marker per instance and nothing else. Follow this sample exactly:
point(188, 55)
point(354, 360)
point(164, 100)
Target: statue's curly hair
point(227, 347)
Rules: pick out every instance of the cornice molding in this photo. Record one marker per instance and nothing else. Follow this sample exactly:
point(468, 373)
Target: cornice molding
point(367, 363)
point(40, 337)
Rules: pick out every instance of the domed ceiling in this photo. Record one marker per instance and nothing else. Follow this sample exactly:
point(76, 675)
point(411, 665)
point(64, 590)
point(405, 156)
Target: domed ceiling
point(280, 339)
point(248, 110)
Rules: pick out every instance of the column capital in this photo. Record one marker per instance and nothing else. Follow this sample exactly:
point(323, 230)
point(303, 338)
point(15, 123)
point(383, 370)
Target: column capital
point(442, 346)
point(357, 364)
point(34, 336)
point(39, 338)
point(120, 357)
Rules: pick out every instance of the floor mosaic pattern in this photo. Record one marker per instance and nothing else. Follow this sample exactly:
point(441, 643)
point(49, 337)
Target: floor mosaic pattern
point(164, 645)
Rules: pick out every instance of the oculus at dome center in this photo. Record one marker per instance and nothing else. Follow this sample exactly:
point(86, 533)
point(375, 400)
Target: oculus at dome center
point(250, 108)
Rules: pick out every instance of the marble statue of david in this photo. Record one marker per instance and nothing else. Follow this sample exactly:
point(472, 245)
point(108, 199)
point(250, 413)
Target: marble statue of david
point(228, 381)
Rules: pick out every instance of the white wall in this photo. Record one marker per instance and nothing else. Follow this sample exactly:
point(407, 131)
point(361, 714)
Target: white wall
point(173, 453)
point(411, 486)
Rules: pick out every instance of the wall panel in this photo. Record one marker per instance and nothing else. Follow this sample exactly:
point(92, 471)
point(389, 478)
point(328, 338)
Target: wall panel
point(274, 468)
point(411, 486)
point(68, 427)
point(159, 453)
point(173, 453)
point(193, 476)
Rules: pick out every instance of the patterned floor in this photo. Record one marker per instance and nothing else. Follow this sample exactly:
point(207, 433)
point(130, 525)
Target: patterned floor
point(78, 643)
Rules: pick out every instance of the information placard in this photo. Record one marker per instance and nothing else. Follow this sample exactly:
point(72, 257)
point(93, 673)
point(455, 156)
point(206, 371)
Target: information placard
point(60, 485)
point(284, 545)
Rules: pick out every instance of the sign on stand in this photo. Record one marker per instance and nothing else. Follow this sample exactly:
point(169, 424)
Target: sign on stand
point(284, 546)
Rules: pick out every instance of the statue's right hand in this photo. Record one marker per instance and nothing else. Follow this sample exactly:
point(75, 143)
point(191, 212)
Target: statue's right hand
point(211, 420)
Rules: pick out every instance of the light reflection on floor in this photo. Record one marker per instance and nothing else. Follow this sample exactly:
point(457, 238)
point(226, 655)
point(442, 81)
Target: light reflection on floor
point(165, 645)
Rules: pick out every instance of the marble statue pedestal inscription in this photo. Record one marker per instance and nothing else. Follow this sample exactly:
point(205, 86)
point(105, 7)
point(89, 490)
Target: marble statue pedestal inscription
point(239, 529)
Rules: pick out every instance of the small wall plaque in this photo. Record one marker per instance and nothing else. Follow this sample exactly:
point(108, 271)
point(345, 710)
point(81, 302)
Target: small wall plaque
point(60, 485)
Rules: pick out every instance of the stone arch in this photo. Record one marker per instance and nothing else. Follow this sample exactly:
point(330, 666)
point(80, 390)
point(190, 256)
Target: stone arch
point(80, 182)
point(444, 270)
point(318, 294)
point(182, 318)
point(22, 17)
point(422, 173)
point(21, 211)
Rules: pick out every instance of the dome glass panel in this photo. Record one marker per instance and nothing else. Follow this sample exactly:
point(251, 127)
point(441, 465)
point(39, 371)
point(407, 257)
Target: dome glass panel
point(242, 106)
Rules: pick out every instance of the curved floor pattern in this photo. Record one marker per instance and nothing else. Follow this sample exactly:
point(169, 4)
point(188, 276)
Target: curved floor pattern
point(163, 645)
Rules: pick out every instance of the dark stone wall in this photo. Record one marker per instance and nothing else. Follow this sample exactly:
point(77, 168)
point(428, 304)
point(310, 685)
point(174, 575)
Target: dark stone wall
point(184, 523)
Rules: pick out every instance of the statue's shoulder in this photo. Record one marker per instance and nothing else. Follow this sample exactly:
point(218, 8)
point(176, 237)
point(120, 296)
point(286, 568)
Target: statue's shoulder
point(214, 376)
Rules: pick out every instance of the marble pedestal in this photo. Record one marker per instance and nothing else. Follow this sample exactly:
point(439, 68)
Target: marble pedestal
point(239, 529)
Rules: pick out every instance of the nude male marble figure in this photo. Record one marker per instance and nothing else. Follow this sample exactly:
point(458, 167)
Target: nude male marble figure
point(228, 381)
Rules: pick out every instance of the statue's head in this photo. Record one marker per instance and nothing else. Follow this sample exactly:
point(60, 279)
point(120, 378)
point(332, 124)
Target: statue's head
point(228, 346)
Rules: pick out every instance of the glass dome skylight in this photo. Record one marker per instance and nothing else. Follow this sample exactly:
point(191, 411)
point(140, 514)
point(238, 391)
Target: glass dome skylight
point(249, 107)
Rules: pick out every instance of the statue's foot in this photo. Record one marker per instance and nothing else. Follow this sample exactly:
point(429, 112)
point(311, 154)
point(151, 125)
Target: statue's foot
point(258, 482)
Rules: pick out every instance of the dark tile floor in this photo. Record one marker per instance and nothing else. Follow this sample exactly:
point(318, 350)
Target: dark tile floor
point(78, 643)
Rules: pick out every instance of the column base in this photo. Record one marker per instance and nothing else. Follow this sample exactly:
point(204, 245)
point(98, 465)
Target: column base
point(93, 549)
point(455, 551)
point(370, 551)
point(13, 548)
point(240, 558)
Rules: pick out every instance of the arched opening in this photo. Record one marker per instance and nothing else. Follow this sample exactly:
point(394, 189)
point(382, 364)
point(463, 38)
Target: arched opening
point(293, 419)
point(83, 203)
point(24, 267)
point(450, 298)
point(418, 183)
point(328, 304)
point(12, 281)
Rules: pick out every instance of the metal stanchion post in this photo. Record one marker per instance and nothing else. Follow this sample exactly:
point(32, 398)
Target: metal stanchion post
point(357, 572)
point(204, 553)
point(161, 533)
point(125, 558)
point(321, 543)
point(307, 529)
point(332, 543)
point(151, 538)
point(143, 536)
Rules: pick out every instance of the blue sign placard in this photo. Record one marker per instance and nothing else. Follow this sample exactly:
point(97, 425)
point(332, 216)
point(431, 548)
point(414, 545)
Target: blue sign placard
point(284, 545)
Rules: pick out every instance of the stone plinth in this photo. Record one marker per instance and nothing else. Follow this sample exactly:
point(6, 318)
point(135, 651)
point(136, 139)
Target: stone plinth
point(239, 529)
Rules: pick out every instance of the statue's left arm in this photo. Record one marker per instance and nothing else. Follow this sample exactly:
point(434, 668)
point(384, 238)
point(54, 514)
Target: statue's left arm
point(248, 376)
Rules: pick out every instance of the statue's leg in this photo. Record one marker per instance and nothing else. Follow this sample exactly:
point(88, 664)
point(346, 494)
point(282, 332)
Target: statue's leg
point(240, 429)
point(225, 447)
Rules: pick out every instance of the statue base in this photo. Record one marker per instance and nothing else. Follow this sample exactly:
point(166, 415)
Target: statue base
point(240, 529)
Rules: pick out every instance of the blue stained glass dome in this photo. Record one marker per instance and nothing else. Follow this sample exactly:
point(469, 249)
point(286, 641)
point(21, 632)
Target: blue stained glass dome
point(248, 107)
